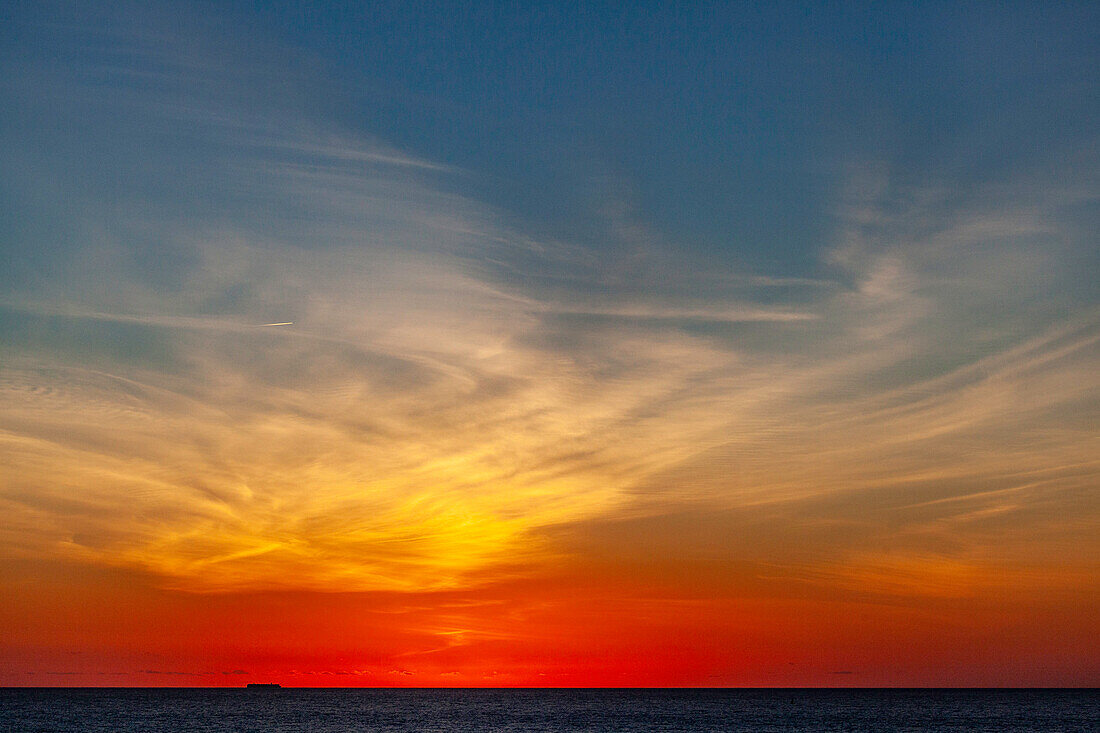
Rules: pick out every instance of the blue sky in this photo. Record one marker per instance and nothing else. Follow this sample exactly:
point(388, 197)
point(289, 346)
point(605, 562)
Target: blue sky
point(727, 122)
point(731, 126)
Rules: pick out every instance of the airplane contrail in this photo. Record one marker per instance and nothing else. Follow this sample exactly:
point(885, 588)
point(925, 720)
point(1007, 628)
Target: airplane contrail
point(284, 323)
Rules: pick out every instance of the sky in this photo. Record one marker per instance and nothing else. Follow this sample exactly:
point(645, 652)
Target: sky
point(549, 344)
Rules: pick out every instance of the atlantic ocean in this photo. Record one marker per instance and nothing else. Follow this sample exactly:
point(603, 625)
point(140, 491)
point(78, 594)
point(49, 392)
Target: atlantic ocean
point(207, 710)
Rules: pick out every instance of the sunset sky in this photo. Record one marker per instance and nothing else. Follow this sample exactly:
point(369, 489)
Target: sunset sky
point(565, 344)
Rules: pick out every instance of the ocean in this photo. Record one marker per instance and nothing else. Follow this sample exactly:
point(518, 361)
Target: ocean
point(332, 710)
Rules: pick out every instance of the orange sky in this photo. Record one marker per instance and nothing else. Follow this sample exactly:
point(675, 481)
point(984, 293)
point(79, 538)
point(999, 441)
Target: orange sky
point(642, 622)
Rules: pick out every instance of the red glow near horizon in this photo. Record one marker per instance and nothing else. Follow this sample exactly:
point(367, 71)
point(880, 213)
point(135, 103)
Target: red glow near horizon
point(545, 634)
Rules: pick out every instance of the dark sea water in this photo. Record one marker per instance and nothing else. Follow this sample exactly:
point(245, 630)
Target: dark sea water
point(327, 711)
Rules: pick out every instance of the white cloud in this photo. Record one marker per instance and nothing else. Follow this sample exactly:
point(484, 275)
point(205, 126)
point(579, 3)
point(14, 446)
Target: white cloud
point(450, 386)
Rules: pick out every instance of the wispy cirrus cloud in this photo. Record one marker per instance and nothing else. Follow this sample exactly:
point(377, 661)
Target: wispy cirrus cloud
point(931, 437)
point(448, 391)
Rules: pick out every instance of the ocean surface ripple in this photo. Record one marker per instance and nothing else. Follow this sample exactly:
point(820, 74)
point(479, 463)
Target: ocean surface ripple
point(425, 711)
